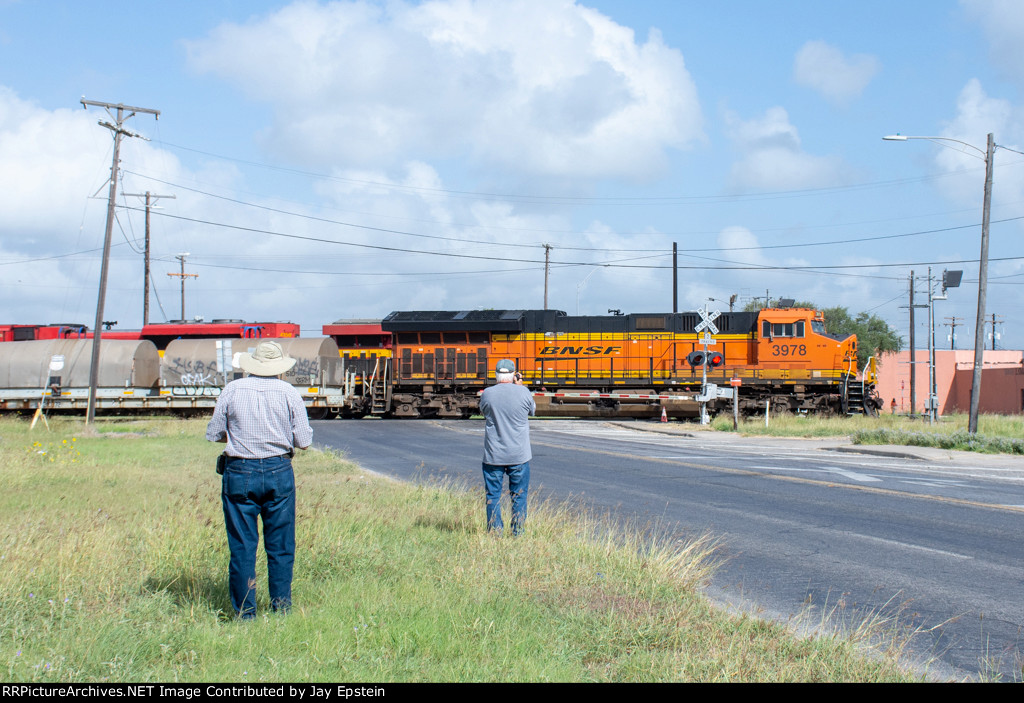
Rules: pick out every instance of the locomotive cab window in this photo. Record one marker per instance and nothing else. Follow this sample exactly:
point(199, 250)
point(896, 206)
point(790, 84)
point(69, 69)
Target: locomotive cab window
point(817, 327)
point(782, 329)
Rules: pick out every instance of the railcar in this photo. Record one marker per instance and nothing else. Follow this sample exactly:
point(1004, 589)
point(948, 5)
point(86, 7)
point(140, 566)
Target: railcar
point(55, 373)
point(134, 377)
point(161, 334)
point(632, 365)
point(359, 339)
point(28, 333)
point(366, 350)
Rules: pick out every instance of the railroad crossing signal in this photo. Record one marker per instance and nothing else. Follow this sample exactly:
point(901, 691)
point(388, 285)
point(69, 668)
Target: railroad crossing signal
point(707, 321)
point(707, 326)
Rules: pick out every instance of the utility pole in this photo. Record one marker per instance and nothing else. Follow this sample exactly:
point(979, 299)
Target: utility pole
point(183, 275)
point(979, 332)
point(675, 279)
point(118, 130)
point(932, 391)
point(913, 346)
point(547, 268)
point(993, 334)
point(913, 367)
point(767, 299)
point(952, 331)
point(979, 325)
point(145, 271)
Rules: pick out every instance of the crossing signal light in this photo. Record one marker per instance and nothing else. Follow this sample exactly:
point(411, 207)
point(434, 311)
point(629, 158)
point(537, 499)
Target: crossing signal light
point(711, 359)
point(951, 279)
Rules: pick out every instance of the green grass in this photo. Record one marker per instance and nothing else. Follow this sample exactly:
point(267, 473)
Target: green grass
point(996, 433)
point(114, 568)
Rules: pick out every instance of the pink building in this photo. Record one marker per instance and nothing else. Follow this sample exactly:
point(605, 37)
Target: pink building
point(1002, 381)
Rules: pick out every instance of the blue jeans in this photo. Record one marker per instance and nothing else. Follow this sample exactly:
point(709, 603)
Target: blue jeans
point(253, 489)
point(518, 487)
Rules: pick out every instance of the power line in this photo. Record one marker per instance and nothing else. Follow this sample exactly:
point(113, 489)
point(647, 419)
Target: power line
point(735, 266)
point(549, 231)
point(520, 197)
point(325, 220)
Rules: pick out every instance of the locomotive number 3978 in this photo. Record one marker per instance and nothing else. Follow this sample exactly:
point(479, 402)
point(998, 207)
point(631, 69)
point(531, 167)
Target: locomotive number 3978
point(789, 350)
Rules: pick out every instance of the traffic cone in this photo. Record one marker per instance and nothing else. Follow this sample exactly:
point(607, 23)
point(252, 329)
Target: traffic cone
point(664, 415)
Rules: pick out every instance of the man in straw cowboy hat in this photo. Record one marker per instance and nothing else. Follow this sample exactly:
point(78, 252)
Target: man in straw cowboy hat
point(262, 419)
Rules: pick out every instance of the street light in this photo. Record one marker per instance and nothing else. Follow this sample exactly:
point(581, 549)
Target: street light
point(979, 332)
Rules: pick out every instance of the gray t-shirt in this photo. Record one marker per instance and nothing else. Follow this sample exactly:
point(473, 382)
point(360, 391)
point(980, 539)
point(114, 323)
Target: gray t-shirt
point(507, 408)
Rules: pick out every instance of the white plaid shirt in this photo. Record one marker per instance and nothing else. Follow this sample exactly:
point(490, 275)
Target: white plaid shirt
point(262, 417)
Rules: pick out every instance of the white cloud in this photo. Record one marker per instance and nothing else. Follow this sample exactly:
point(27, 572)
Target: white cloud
point(36, 144)
point(838, 78)
point(978, 114)
point(772, 156)
point(533, 86)
point(1003, 23)
point(63, 157)
point(743, 243)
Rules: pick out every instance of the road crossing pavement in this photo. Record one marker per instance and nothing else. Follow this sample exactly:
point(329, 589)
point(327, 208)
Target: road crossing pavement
point(929, 536)
point(992, 480)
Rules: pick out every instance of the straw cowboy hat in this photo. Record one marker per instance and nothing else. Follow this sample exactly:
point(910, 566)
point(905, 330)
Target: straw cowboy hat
point(268, 360)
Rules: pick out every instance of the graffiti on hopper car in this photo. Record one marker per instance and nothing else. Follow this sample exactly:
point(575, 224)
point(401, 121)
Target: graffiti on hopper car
point(195, 391)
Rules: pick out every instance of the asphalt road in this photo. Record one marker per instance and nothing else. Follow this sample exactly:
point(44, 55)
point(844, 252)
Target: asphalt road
point(928, 537)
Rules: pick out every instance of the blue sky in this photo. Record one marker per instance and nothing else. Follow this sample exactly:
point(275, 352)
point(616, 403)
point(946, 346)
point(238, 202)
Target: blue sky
point(345, 159)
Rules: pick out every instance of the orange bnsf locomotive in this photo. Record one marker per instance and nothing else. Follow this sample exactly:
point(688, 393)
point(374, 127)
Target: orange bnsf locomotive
point(626, 365)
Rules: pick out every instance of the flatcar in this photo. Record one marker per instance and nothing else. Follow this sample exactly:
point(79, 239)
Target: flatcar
point(28, 333)
point(161, 334)
point(633, 365)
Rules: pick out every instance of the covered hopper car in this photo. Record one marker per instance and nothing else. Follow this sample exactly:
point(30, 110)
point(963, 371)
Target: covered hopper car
point(134, 377)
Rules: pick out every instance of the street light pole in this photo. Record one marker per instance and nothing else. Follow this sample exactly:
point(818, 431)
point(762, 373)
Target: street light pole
point(979, 333)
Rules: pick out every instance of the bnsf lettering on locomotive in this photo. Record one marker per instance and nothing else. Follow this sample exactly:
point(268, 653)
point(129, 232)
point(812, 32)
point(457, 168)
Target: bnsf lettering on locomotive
point(568, 351)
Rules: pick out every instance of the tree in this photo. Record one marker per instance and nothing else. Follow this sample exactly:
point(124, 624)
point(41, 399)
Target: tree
point(758, 304)
point(874, 336)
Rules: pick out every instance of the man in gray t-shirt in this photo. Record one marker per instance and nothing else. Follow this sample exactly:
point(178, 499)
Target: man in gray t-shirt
point(507, 407)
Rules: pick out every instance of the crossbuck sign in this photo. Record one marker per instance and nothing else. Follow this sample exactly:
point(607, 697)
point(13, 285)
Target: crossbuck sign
point(708, 391)
point(707, 320)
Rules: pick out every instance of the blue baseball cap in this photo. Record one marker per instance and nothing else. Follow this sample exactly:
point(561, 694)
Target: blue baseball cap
point(505, 366)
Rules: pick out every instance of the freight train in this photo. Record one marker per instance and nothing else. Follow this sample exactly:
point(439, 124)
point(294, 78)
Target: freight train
point(435, 363)
point(619, 365)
